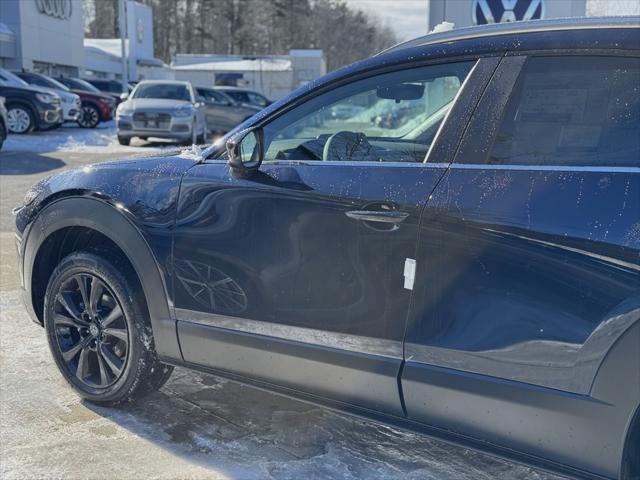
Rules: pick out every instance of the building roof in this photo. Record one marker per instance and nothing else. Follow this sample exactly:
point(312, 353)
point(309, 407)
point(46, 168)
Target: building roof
point(113, 48)
point(240, 65)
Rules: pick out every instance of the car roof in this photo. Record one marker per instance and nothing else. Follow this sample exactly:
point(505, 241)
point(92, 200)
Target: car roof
point(165, 82)
point(520, 27)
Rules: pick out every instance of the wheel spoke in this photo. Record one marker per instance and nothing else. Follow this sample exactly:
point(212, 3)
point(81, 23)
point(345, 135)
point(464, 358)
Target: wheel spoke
point(104, 375)
point(63, 320)
point(119, 333)
point(114, 363)
point(114, 315)
point(81, 371)
point(96, 292)
point(73, 351)
point(69, 305)
point(82, 285)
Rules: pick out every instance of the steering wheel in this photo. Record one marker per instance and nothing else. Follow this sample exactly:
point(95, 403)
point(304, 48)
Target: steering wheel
point(346, 146)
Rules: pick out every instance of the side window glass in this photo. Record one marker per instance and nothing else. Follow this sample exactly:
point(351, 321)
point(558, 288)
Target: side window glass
point(391, 117)
point(257, 99)
point(572, 111)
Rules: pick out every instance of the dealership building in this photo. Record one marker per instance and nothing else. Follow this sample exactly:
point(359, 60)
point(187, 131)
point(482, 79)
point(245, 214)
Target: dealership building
point(42, 35)
point(465, 13)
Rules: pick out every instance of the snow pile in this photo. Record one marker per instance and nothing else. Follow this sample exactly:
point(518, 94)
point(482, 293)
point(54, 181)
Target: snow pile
point(71, 138)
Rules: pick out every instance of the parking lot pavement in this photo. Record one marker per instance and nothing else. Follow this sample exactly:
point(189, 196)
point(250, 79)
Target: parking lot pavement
point(197, 426)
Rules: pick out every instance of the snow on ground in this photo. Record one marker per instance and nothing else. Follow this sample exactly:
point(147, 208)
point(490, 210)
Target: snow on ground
point(71, 138)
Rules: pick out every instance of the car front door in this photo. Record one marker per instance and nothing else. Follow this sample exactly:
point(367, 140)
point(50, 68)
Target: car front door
point(295, 275)
point(528, 268)
point(220, 114)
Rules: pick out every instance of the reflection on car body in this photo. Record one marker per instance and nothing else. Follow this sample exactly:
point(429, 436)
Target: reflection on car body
point(468, 267)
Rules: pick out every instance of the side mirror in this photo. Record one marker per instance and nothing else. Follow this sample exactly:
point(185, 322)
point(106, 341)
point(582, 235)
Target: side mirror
point(124, 96)
point(201, 99)
point(246, 150)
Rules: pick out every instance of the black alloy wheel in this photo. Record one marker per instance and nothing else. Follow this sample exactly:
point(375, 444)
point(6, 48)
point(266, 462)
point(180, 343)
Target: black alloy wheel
point(91, 332)
point(89, 116)
point(99, 330)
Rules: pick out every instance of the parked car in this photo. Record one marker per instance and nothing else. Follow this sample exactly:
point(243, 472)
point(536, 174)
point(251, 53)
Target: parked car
point(162, 109)
point(248, 97)
point(71, 106)
point(473, 274)
point(96, 107)
point(112, 88)
point(3, 123)
point(28, 108)
point(224, 113)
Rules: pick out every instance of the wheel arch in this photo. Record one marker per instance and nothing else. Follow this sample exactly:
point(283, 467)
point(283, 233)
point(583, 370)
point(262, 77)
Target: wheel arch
point(617, 383)
point(107, 220)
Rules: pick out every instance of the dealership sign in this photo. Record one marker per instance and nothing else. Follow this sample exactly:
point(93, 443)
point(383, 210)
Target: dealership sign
point(497, 11)
point(55, 8)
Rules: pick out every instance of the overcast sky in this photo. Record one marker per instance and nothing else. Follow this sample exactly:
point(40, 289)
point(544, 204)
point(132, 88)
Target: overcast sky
point(408, 18)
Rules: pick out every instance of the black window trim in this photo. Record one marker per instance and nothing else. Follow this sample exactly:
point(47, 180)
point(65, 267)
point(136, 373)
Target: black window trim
point(503, 85)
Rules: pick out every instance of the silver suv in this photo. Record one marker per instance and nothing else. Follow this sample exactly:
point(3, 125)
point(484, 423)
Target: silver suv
point(162, 109)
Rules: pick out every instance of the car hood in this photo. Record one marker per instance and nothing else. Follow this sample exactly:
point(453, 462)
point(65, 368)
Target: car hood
point(61, 93)
point(150, 104)
point(93, 95)
point(142, 189)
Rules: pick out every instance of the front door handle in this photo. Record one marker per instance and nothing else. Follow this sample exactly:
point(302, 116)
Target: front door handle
point(382, 216)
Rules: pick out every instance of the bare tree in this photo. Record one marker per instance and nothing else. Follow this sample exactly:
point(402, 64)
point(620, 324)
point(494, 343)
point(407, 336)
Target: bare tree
point(252, 27)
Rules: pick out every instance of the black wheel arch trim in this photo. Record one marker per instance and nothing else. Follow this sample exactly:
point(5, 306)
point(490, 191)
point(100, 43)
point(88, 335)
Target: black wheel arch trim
point(80, 211)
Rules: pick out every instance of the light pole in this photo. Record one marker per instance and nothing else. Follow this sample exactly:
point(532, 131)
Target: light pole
point(122, 21)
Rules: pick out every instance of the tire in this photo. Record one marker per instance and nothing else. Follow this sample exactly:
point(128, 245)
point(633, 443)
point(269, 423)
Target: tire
point(3, 134)
point(124, 140)
point(20, 119)
point(89, 116)
point(193, 139)
point(103, 345)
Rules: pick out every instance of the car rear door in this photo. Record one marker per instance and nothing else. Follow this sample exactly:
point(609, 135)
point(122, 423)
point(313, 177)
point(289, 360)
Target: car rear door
point(528, 263)
point(295, 275)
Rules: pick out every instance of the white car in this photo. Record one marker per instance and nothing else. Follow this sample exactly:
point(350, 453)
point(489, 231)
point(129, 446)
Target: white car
point(162, 109)
point(71, 105)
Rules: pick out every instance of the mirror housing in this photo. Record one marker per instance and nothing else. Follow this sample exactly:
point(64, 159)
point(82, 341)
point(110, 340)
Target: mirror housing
point(124, 96)
point(201, 99)
point(246, 150)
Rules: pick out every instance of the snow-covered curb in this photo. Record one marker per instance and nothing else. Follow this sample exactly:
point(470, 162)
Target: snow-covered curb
point(71, 138)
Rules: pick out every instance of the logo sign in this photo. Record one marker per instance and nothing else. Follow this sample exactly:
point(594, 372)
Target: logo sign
point(55, 8)
point(499, 11)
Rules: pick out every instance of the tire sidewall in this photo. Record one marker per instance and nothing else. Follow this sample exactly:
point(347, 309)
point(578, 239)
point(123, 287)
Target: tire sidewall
point(140, 338)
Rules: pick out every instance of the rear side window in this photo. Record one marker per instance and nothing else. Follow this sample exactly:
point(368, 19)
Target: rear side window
point(572, 111)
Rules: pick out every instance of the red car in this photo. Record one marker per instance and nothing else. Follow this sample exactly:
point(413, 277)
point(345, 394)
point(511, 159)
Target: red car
point(96, 107)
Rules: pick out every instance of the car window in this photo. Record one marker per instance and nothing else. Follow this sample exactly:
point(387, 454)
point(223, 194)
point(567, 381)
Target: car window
point(79, 84)
point(256, 99)
point(575, 111)
point(168, 91)
point(238, 96)
point(388, 117)
point(212, 96)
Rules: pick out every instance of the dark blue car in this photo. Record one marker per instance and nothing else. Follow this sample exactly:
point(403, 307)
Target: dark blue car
point(457, 252)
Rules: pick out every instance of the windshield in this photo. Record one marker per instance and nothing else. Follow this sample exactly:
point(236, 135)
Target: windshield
point(169, 91)
point(79, 84)
point(8, 78)
point(55, 84)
